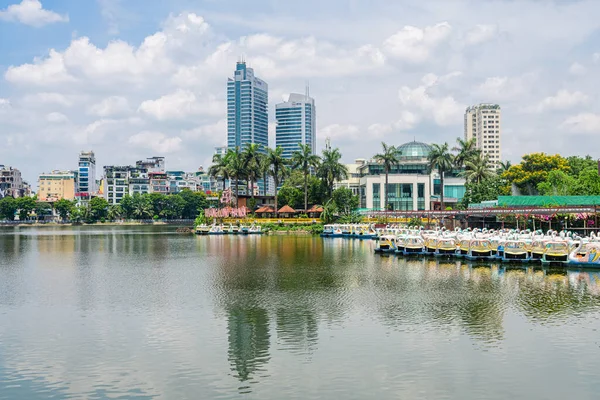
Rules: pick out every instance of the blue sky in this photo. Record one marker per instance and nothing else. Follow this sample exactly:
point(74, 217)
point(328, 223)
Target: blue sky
point(136, 78)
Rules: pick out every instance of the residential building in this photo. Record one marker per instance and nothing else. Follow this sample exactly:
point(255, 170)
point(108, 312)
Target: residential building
point(11, 183)
point(353, 181)
point(296, 124)
point(147, 176)
point(57, 185)
point(152, 164)
point(483, 123)
point(221, 151)
point(411, 187)
point(86, 177)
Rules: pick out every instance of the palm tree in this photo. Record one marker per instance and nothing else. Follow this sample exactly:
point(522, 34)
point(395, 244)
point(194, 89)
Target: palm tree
point(466, 151)
point(218, 169)
point(264, 167)
point(115, 211)
point(440, 159)
point(477, 170)
point(278, 168)
point(142, 208)
point(389, 157)
point(504, 166)
point(304, 159)
point(331, 169)
point(236, 168)
point(252, 155)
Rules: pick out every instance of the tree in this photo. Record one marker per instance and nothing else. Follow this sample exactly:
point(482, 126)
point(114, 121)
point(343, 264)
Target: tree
point(579, 164)
point(504, 166)
point(304, 160)
point(64, 208)
point(98, 209)
point(331, 169)
point(252, 156)
point(440, 159)
point(195, 202)
point(533, 170)
point(8, 208)
point(345, 202)
point(219, 168)
point(588, 183)
point(476, 168)
point(466, 152)
point(26, 206)
point(42, 209)
point(558, 183)
point(173, 208)
point(290, 196)
point(127, 205)
point(485, 190)
point(236, 168)
point(328, 214)
point(158, 201)
point(279, 169)
point(389, 157)
point(264, 167)
point(115, 211)
point(317, 192)
point(141, 207)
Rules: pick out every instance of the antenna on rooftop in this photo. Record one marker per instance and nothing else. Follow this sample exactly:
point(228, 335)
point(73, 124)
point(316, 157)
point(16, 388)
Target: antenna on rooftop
point(307, 89)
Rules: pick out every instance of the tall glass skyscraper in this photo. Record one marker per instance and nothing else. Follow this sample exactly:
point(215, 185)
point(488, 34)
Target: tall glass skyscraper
point(247, 113)
point(296, 123)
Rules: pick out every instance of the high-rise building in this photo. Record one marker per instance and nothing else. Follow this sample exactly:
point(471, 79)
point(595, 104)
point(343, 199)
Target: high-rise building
point(482, 122)
point(86, 180)
point(247, 111)
point(56, 185)
point(296, 123)
point(11, 183)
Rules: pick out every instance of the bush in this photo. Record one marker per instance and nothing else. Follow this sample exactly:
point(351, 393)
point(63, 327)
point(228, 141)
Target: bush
point(316, 229)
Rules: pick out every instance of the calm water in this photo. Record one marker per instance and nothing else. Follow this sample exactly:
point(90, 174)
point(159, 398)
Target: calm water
point(142, 313)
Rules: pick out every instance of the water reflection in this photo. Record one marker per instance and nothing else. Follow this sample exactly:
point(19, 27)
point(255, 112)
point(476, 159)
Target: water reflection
point(109, 313)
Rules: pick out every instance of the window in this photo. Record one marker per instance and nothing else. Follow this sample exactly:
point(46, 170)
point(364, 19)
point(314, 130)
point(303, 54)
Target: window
point(376, 196)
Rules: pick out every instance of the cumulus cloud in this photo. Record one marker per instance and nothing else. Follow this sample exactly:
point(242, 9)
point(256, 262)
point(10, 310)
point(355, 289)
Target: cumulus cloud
point(562, 100)
point(110, 106)
point(4, 103)
point(583, 123)
point(416, 45)
point(577, 69)
point(504, 88)
point(339, 132)
point(156, 141)
point(215, 133)
point(43, 98)
point(480, 34)
point(408, 120)
point(444, 110)
point(596, 57)
point(181, 104)
point(31, 12)
point(57, 118)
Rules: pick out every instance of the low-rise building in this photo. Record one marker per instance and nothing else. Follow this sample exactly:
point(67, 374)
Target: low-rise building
point(11, 183)
point(353, 181)
point(57, 185)
point(411, 186)
point(147, 176)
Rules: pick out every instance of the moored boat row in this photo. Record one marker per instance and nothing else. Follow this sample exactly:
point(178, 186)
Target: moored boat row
point(220, 229)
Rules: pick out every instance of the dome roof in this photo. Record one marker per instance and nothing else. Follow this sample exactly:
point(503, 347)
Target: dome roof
point(413, 150)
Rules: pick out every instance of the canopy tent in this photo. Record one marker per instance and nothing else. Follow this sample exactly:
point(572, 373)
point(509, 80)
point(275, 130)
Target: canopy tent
point(547, 201)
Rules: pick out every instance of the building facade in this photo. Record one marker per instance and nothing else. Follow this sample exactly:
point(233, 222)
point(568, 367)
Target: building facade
point(86, 179)
point(483, 123)
point(247, 109)
point(411, 187)
point(57, 185)
point(11, 183)
point(354, 175)
point(296, 123)
point(147, 176)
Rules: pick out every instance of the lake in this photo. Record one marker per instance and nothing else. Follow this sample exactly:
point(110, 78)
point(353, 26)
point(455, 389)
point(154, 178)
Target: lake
point(145, 313)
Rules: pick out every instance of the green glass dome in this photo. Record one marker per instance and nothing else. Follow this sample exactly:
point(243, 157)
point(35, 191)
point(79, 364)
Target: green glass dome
point(415, 150)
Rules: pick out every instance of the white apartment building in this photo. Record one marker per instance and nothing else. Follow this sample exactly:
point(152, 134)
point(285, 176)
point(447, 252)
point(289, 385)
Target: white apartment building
point(483, 122)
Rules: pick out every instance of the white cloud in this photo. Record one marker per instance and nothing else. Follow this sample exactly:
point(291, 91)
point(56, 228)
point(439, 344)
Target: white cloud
point(30, 12)
point(503, 88)
point(95, 132)
point(47, 98)
point(583, 123)
point(577, 69)
point(57, 118)
point(4, 103)
point(596, 57)
point(215, 133)
point(339, 132)
point(49, 71)
point(480, 34)
point(110, 106)
point(444, 110)
point(181, 104)
point(562, 100)
point(414, 44)
point(156, 141)
point(407, 121)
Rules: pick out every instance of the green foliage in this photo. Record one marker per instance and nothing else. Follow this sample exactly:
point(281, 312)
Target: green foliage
point(587, 183)
point(26, 206)
point(8, 208)
point(97, 209)
point(42, 209)
point(64, 208)
point(317, 191)
point(345, 202)
point(534, 170)
point(316, 229)
point(476, 168)
point(579, 164)
point(353, 217)
point(488, 189)
point(200, 220)
point(328, 214)
point(415, 221)
point(331, 169)
point(278, 169)
point(388, 158)
point(290, 196)
point(252, 204)
point(304, 160)
point(557, 183)
point(441, 160)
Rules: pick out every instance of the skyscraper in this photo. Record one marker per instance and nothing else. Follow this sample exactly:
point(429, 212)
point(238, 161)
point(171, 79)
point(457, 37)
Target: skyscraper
point(482, 122)
point(247, 113)
point(296, 123)
point(86, 180)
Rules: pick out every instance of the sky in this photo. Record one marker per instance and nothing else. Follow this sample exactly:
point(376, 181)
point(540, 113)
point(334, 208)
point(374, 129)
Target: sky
point(131, 79)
